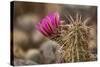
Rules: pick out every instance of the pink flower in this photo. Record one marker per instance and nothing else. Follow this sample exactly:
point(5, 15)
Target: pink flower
point(48, 25)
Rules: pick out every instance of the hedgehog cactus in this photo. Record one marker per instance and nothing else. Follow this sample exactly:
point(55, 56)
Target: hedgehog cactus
point(72, 38)
point(75, 40)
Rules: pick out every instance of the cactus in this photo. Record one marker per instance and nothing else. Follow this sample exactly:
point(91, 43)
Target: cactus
point(72, 38)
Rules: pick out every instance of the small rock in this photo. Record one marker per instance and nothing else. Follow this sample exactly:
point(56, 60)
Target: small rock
point(48, 50)
point(34, 55)
point(18, 52)
point(26, 21)
point(20, 36)
point(20, 62)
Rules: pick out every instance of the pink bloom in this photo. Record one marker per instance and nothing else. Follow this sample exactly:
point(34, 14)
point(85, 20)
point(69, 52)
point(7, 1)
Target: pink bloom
point(48, 25)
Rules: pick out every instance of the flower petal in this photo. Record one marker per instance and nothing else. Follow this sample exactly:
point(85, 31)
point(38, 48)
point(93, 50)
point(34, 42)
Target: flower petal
point(45, 26)
point(50, 26)
point(51, 16)
point(41, 30)
point(56, 19)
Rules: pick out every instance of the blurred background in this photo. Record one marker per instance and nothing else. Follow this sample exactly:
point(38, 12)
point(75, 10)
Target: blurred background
point(29, 45)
